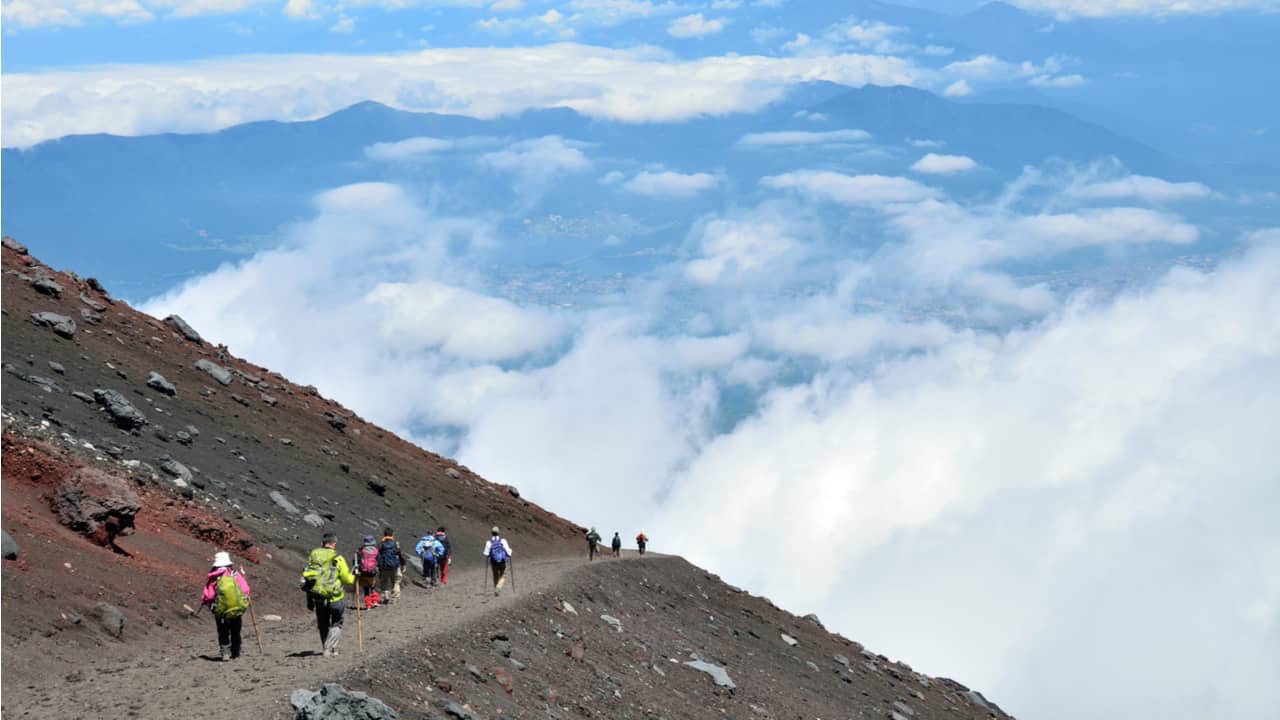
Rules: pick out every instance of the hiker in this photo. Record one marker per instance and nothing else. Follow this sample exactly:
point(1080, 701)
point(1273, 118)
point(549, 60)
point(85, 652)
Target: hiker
point(593, 544)
point(366, 565)
point(616, 544)
point(390, 567)
point(443, 538)
point(498, 552)
point(226, 592)
point(641, 541)
point(431, 551)
point(325, 579)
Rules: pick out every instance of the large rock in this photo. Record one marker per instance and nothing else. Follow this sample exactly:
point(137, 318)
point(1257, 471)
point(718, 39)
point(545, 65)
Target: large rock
point(111, 619)
point(176, 470)
point(156, 381)
point(102, 507)
point(61, 324)
point(187, 331)
point(10, 548)
point(216, 371)
point(333, 702)
point(14, 245)
point(122, 412)
point(283, 502)
point(47, 286)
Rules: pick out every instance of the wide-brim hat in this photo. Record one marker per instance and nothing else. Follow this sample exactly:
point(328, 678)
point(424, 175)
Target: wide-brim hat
point(222, 559)
point(494, 530)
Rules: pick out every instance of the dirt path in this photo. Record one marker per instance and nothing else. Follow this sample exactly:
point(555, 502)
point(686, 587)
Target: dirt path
point(188, 681)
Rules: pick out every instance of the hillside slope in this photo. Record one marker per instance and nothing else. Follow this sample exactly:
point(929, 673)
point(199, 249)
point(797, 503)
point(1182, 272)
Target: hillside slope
point(96, 615)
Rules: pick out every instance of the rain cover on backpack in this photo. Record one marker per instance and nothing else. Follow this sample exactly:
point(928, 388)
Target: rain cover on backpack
point(369, 560)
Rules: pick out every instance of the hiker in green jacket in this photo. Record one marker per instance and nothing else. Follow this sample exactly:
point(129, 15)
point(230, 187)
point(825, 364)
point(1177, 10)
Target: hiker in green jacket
point(324, 580)
point(593, 543)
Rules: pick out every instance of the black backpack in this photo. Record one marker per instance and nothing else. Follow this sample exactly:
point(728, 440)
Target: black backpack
point(389, 555)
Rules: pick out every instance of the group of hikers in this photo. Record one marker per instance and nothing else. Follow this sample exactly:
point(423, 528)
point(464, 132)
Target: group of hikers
point(376, 569)
point(378, 572)
point(593, 543)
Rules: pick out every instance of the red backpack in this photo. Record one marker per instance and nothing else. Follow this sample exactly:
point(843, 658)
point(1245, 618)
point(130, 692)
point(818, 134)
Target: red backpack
point(369, 560)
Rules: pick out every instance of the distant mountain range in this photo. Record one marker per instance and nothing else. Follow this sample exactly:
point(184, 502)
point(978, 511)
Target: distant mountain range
point(161, 207)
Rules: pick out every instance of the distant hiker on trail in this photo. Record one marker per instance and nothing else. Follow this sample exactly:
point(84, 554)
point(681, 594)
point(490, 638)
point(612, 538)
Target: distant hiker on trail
point(226, 592)
point(431, 550)
point(324, 579)
point(390, 567)
point(641, 541)
point(366, 564)
point(593, 544)
point(498, 552)
point(443, 538)
point(616, 544)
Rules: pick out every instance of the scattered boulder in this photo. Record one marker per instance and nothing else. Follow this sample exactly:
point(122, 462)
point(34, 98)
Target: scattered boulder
point(9, 547)
point(378, 488)
point(89, 318)
point(313, 520)
point(514, 492)
point(83, 397)
point(789, 640)
point(102, 507)
point(93, 304)
point(454, 710)
point(337, 423)
point(717, 673)
point(14, 245)
point(333, 702)
point(813, 618)
point(61, 324)
point(47, 286)
point(156, 382)
point(615, 622)
point(284, 503)
point(57, 367)
point(111, 619)
point(453, 473)
point(568, 608)
point(176, 469)
point(187, 331)
point(216, 371)
point(122, 412)
point(269, 400)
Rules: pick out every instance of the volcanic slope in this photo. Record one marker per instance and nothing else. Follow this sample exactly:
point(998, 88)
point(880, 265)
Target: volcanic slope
point(96, 620)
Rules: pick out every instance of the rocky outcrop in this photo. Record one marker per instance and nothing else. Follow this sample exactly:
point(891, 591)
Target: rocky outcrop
point(216, 371)
point(99, 506)
point(122, 412)
point(187, 331)
point(61, 324)
point(47, 286)
point(14, 245)
point(333, 702)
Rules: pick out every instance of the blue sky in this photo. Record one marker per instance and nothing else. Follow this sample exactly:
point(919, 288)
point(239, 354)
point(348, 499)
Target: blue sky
point(1031, 398)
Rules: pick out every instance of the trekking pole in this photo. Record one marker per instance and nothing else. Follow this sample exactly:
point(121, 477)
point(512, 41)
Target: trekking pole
point(257, 634)
point(513, 573)
point(359, 625)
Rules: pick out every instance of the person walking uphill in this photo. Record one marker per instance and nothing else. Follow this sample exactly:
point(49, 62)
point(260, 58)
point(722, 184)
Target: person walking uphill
point(390, 567)
point(641, 541)
point(366, 564)
point(431, 550)
point(443, 538)
point(226, 592)
point(593, 544)
point(616, 544)
point(325, 579)
point(498, 552)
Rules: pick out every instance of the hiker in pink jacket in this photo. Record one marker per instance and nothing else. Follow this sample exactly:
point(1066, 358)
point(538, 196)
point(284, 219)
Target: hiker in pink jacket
point(227, 593)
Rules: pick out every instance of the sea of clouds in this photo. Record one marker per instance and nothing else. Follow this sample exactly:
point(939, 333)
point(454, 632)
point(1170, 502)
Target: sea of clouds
point(1062, 497)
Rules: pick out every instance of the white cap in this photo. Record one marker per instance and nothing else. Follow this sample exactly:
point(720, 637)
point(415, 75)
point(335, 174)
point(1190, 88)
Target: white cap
point(222, 559)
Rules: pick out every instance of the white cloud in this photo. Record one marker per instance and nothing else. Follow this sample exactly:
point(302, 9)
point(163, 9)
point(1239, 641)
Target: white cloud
point(35, 13)
point(935, 164)
point(868, 190)
point(628, 85)
point(695, 26)
point(344, 25)
point(800, 137)
point(739, 250)
point(540, 157)
point(959, 88)
point(670, 184)
point(1141, 187)
point(609, 13)
point(1066, 9)
point(506, 5)
point(407, 149)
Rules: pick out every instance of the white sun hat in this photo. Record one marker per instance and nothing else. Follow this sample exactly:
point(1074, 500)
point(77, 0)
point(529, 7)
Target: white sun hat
point(222, 559)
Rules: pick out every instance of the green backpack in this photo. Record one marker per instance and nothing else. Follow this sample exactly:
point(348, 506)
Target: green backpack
point(320, 578)
point(228, 600)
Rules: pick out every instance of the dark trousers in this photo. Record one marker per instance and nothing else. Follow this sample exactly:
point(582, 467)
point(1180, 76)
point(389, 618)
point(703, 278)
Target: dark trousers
point(429, 571)
point(591, 551)
point(329, 614)
point(641, 545)
point(229, 633)
point(499, 573)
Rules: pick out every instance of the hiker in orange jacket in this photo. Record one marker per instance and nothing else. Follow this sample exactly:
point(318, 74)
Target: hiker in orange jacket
point(641, 541)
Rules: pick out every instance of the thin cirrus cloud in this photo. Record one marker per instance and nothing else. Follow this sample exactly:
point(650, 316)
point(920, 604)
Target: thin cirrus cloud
point(936, 164)
point(670, 184)
point(1141, 187)
point(802, 137)
point(1067, 9)
point(868, 190)
point(630, 85)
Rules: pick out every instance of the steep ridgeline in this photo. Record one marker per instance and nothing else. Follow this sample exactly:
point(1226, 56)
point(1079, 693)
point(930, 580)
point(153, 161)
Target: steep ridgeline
point(134, 448)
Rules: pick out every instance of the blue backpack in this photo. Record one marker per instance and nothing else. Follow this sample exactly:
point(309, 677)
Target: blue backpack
point(497, 553)
point(427, 549)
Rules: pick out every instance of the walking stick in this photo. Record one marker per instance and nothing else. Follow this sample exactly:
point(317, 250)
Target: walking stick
point(359, 625)
point(512, 563)
point(257, 634)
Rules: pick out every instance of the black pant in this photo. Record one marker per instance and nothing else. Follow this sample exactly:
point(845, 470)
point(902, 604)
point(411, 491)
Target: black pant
point(229, 633)
point(591, 551)
point(641, 547)
point(329, 614)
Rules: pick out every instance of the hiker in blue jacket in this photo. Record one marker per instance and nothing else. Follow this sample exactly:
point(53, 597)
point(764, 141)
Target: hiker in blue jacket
point(431, 550)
